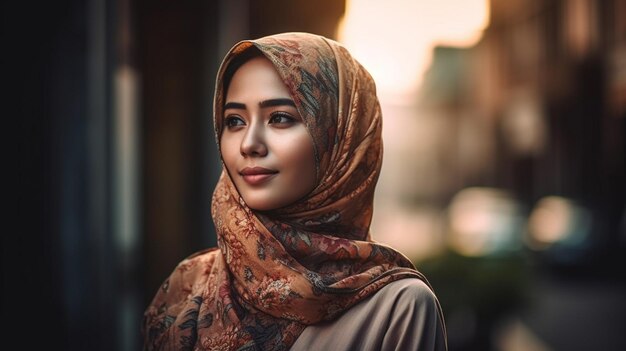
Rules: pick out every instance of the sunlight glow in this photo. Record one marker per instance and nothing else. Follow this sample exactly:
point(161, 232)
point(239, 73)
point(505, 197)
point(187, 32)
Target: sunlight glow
point(394, 39)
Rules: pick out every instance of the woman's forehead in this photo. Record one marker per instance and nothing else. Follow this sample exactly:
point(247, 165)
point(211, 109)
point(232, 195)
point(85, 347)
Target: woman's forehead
point(257, 79)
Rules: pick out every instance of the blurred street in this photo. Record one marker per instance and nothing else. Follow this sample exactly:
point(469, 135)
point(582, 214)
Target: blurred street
point(570, 314)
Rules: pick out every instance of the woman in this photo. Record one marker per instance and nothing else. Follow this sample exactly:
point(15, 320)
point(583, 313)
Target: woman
point(299, 130)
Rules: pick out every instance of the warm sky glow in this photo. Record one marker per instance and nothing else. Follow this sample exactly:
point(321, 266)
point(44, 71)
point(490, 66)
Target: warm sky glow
point(394, 39)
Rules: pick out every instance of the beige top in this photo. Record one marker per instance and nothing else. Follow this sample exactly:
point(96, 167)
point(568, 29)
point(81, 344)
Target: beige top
point(401, 316)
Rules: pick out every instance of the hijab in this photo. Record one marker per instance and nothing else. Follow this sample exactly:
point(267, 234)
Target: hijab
point(276, 272)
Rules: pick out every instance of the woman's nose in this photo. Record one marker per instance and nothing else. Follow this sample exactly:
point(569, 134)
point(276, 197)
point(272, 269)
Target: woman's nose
point(253, 143)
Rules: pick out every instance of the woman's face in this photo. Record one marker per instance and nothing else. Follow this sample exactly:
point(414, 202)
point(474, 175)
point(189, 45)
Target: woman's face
point(265, 145)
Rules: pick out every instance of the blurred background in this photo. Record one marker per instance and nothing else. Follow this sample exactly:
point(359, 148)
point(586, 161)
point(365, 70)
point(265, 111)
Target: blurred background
point(503, 176)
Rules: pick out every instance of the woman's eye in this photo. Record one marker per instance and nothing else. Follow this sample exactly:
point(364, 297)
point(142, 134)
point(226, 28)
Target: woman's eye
point(233, 121)
point(281, 118)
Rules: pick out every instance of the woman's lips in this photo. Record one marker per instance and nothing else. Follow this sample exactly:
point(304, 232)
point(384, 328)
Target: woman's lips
point(257, 175)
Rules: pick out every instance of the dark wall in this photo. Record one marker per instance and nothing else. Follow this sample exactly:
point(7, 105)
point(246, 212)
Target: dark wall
point(175, 56)
point(53, 295)
point(66, 283)
point(275, 16)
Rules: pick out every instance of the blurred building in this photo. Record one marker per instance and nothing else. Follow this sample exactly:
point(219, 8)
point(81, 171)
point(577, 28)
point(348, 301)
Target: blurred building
point(536, 109)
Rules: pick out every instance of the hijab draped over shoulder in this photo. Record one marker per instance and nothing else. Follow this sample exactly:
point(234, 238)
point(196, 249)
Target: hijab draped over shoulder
point(278, 271)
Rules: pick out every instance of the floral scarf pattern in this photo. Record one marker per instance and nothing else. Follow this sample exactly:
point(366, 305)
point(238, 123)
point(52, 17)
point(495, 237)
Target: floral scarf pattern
point(278, 271)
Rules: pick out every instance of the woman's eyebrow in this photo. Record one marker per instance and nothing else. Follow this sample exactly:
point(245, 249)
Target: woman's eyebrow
point(262, 104)
point(234, 105)
point(277, 102)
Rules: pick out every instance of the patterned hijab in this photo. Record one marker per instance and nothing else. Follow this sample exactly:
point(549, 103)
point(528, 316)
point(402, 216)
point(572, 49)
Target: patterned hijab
point(278, 271)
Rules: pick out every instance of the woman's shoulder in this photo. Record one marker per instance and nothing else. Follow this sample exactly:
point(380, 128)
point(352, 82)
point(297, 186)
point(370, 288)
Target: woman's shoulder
point(409, 290)
point(185, 282)
point(190, 269)
point(400, 302)
point(403, 315)
point(187, 276)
